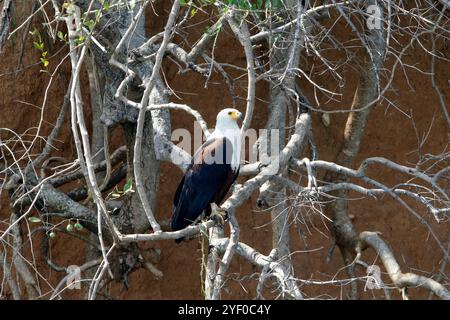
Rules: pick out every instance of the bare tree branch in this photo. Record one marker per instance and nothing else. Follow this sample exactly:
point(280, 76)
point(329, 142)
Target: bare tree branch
point(401, 280)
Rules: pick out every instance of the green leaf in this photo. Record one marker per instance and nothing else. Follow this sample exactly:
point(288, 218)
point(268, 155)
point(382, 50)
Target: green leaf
point(34, 219)
point(128, 187)
point(79, 226)
point(90, 24)
point(275, 4)
point(106, 6)
point(80, 40)
point(39, 45)
point(45, 62)
point(69, 227)
point(183, 3)
point(259, 4)
point(60, 35)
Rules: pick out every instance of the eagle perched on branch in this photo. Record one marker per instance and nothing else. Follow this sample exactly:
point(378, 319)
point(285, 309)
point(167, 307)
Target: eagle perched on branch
point(213, 169)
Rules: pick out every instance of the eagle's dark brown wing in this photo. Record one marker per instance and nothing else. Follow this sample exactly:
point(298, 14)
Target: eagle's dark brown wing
point(207, 180)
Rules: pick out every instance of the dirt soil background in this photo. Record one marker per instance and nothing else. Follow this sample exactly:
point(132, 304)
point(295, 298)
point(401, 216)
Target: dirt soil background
point(391, 133)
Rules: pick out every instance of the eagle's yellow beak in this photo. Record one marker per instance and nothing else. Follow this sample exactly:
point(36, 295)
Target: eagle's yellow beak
point(235, 115)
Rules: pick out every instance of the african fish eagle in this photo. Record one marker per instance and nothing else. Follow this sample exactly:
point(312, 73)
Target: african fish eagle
point(213, 169)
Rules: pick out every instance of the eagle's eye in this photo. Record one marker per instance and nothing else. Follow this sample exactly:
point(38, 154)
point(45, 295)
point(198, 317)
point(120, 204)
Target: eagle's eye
point(230, 113)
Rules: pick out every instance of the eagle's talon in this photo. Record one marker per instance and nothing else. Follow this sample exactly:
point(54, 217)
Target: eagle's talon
point(218, 219)
point(218, 214)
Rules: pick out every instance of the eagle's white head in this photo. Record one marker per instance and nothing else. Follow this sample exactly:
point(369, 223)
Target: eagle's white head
point(227, 119)
point(227, 126)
